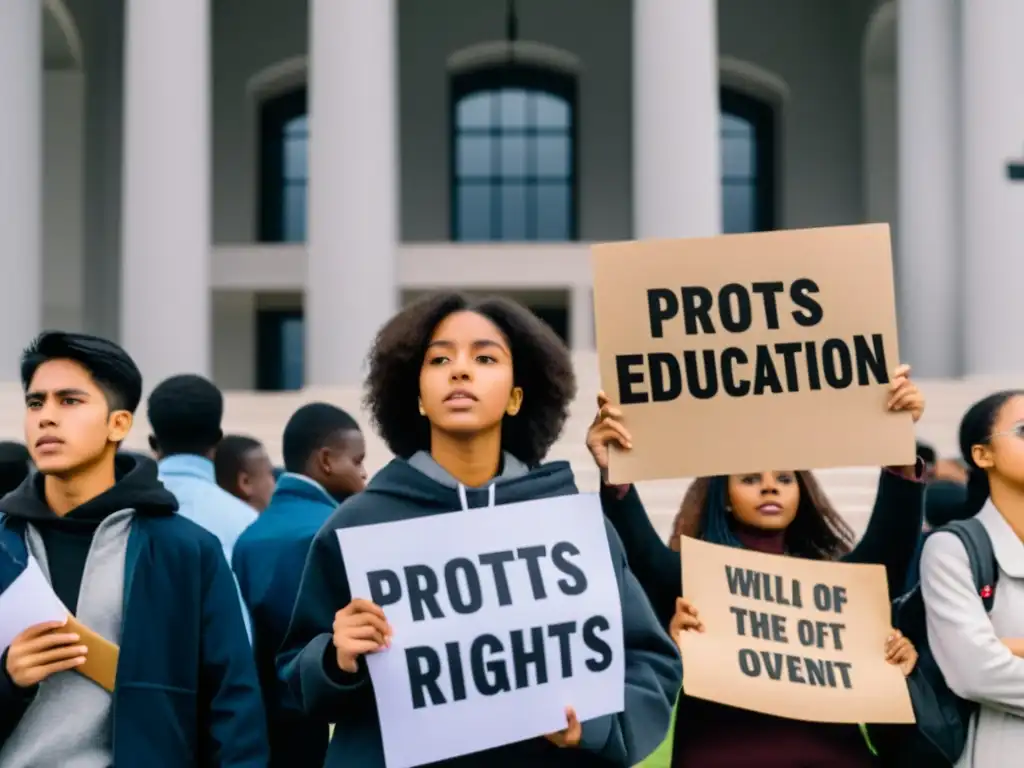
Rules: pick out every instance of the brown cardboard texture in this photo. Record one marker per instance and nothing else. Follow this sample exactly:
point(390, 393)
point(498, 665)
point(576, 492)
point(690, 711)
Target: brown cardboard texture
point(101, 659)
point(748, 353)
point(790, 637)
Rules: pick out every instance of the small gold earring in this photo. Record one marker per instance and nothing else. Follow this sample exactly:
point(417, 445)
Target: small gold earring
point(423, 411)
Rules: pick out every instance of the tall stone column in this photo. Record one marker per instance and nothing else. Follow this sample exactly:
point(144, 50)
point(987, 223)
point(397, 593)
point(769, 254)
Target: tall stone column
point(929, 199)
point(21, 179)
point(677, 186)
point(165, 268)
point(351, 285)
point(993, 205)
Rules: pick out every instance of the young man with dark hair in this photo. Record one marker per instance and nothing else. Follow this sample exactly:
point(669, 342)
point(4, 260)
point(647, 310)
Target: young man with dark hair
point(324, 452)
point(244, 470)
point(105, 533)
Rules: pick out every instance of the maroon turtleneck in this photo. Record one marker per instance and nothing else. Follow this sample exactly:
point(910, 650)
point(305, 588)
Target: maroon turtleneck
point(710, 735)
point(769, 542)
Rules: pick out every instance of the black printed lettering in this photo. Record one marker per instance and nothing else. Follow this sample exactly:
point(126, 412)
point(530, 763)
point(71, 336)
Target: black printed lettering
point(496, 561)
point(597, 644)
point(697, 303)
point(464, 594)
point(454, 654)
point(385, 587)
point(836, 363)
point(422, 585)
point(560, 553)
point(424, 668)
point(734, 308)
point(731, 357)
point(523, 658)
point(765, 376)
point(532, 556)
point(628, 379)
point(769, 295)
point(490, 675)
point(666, 377)
point(563, 633)
point(750, 662)
point(710, 387)
point(810, 313)
point(870, 360)
point(662, 305)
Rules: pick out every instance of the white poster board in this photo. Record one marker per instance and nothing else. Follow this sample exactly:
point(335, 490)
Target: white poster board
point(471, 596)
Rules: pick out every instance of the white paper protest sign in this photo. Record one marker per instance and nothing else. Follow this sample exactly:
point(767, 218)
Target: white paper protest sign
point(502, 617)
point(28, 601)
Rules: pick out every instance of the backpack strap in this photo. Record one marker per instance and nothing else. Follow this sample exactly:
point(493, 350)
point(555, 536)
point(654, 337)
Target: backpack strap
point(984, 568)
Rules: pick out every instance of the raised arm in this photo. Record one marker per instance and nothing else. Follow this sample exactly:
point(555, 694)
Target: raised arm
point(977, 665)
point(656, 567)
point(895, 526)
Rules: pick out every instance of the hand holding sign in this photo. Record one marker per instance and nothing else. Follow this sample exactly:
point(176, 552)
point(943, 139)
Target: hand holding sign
point(359, 628)
point(569, 736)
point(684, 620)
point(606, 429)
point(905, 394)
point(40, 651)
point(901, 652)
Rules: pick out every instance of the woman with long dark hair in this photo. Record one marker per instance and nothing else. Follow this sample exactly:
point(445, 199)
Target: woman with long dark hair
point(782, 512)
point(979, 653)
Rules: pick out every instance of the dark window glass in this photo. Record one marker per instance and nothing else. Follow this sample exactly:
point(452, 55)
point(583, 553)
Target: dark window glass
point(284, 168)
point(280, 363)
point(513, 174)
point(747, 128)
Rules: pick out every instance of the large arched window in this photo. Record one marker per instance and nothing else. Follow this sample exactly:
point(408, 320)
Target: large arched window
point(513, 155)
point(748, 163)
point(284, 171)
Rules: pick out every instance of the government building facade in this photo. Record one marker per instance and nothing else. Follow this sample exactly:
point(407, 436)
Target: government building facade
point(248, 189)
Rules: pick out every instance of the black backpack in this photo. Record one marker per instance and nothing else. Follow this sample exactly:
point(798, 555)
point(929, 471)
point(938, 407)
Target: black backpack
point(943, 717)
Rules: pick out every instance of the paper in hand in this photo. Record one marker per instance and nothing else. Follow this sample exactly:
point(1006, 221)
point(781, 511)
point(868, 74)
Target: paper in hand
point(28, 601)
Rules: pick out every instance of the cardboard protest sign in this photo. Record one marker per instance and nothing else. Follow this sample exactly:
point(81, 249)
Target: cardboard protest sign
point(785, 636)
point(748, 353)
point(502, 617)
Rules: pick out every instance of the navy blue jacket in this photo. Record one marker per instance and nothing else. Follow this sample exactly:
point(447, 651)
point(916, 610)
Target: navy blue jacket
point(400, 492)
point(186, 692)
point(268, 560)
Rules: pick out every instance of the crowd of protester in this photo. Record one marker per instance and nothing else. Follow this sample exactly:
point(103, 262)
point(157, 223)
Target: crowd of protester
point(221, 579)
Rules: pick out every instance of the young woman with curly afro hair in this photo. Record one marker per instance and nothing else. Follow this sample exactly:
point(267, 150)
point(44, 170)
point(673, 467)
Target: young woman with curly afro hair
point(469, 395)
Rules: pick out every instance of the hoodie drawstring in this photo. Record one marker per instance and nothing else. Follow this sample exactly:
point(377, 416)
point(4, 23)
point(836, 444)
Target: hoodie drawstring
point(465, 502)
